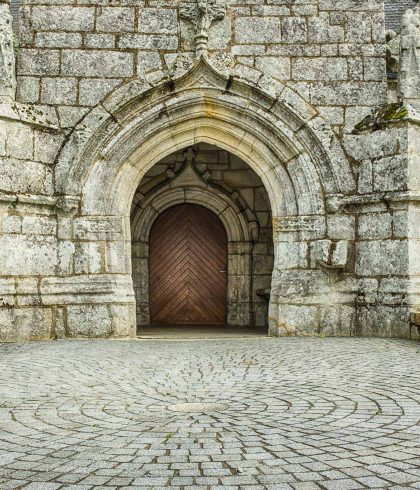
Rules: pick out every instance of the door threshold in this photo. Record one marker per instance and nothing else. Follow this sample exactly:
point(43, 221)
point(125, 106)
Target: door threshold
point(199, 332)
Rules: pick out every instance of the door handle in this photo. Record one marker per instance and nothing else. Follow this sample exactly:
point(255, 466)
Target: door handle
point(224, 270)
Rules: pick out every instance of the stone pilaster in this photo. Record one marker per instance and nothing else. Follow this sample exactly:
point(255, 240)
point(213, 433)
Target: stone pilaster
point(7, 55)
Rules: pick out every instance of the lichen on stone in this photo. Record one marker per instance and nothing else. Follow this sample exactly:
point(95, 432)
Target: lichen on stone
point(382, 116)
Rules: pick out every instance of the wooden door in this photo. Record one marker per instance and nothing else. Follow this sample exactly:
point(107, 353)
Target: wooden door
point(188, 257)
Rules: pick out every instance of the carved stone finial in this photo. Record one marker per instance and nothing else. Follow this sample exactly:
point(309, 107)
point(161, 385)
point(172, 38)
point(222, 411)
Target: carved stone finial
point(7, 55)
point(202, 13)
point(409, 75)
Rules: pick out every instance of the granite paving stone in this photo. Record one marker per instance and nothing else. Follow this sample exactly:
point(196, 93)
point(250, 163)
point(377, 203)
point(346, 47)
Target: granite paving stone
point(305, 414)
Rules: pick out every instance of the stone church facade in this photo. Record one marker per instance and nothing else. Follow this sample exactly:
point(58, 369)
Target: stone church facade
point(275, 115)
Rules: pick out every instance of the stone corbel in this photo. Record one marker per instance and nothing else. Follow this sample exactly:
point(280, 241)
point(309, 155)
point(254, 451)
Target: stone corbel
point(331, 254)
point(254, 230)
point(68, 205)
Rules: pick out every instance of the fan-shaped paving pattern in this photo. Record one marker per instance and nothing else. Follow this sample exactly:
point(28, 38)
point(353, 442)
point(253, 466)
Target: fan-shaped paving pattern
point(295, 414)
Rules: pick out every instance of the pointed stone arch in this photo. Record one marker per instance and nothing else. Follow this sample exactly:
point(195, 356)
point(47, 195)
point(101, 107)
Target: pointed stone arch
point(270, 127)
point(279, 135)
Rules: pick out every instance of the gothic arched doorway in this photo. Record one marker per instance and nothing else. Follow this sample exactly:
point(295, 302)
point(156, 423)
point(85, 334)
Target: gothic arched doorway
point(188, 267)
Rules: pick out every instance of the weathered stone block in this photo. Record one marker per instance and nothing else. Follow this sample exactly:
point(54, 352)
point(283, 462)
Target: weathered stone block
point(58, 40)
point(158, 21)
point(375, 226)
point(320, 69)
point(92, 91)
point(296, 320)
point(384, 321)
point(148, 61)
point(148, 41)
point(65, 258)
point(390, 173)
point(63, 18)
point(99, 228)
point(38, 62)
point(27, 255)
point(346, 93)
point(88, 258)
point(382, 258)
point(123, 320)
point(59, 91)
point(373, 145)
point(29, 177)
point(39, 225)
point(221, 34)
point(117, 259)
point(16, 135)
point(257, 30)
point(28, 323)
point(320, 30)
point(274, 66)
point(107, 64)
point(28, 89)
point(47, 146)
point(100, 41)
point(88, 321)
point(290, 255)
point(11, 224)
point(374, 69)
point(115, 19)
point(341, 227)
point(294, 30)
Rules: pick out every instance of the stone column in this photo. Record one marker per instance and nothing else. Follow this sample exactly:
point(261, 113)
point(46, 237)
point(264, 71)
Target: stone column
point(7, 55)
point(409, 74)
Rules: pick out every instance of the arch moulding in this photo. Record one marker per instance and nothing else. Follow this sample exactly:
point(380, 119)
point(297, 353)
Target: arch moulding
point(270, 127)
point(188, 186)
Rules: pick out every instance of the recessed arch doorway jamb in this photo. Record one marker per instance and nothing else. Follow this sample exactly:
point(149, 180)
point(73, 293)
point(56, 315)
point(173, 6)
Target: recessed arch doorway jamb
point(239, 232)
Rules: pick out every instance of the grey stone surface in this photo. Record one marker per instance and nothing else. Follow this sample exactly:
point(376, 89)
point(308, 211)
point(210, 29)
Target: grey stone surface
point(317, 164)
point(299, 414)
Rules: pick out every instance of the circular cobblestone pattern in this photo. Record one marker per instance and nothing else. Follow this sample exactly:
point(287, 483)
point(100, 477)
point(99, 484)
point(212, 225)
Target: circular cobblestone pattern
point(303, 414)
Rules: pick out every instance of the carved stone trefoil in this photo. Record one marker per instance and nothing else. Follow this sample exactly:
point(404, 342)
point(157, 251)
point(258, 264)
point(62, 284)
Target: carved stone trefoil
point(7, 55)
point(202, 14)
point(409, 76)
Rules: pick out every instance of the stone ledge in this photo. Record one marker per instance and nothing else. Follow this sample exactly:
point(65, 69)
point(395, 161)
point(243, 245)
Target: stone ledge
point(339, 203)
point(35, 199)
point(26, 114)
point(387, 115)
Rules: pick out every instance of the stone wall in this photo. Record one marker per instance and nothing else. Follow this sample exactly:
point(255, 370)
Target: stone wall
point(387, 227)
point(331, 52)
point(297, 90)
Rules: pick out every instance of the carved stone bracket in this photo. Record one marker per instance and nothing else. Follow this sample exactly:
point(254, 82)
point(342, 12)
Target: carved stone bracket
point(202, 13)
point(332, 254)
point(7, 55)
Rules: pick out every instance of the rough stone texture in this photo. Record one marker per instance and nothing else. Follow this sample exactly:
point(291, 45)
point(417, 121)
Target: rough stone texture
point(294, 91)
point(297, 414)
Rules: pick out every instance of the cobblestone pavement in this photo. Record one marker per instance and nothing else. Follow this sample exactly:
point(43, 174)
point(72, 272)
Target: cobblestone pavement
point(301, 414)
